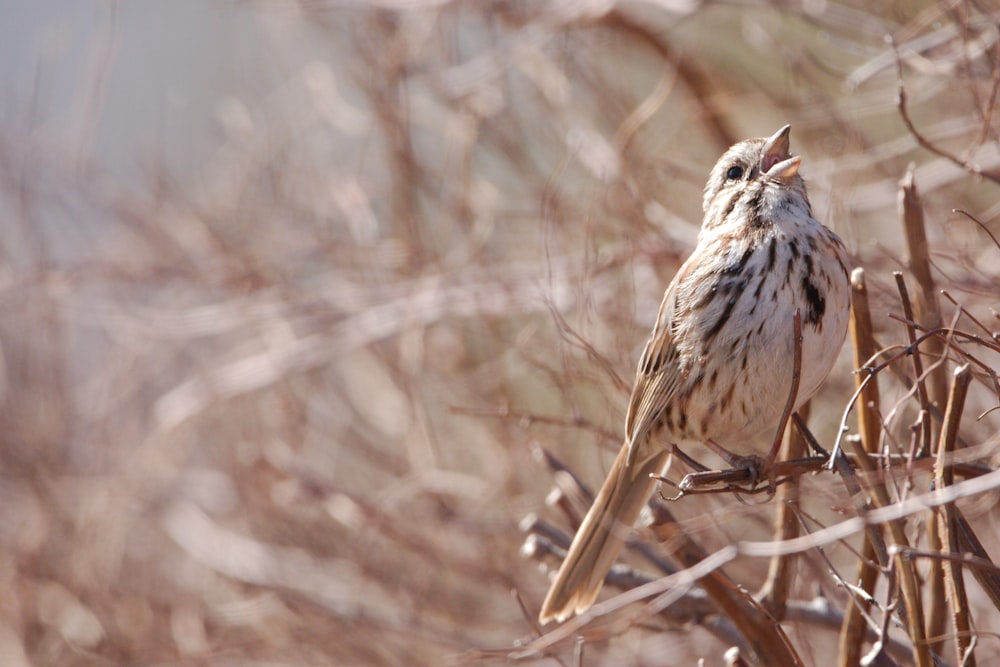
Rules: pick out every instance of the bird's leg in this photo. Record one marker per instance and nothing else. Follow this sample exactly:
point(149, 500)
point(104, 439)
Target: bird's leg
point(743, 470)
point(686, 458)
point(751, 463)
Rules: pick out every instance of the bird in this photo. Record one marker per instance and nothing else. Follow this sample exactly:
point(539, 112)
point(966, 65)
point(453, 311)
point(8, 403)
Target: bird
point(717, 367)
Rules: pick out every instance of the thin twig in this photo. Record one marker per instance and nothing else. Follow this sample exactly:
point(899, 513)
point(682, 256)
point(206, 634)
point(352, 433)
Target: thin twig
point(978, 222)
point(911, 334)
point(793, 390)
point(972, 168)
point(962, 309)
point(775, 592)
point(944, 478)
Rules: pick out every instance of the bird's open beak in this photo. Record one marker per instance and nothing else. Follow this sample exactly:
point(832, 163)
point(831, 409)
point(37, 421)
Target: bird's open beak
point(775, 160)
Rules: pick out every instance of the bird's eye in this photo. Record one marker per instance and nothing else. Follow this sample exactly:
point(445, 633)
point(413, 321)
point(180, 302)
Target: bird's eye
point(734, 173)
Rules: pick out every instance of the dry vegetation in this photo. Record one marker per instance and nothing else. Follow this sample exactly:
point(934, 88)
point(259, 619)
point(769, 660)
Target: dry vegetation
point(291, 411)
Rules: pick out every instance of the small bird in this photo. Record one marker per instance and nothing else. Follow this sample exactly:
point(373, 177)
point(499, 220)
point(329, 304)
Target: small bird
point(718, 366)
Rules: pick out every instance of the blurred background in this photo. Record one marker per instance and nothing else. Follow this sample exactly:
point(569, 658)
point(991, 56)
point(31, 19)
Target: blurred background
point(293, 292)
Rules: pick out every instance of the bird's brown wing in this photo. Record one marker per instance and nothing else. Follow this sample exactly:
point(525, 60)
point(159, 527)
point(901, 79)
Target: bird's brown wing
point(658, 374)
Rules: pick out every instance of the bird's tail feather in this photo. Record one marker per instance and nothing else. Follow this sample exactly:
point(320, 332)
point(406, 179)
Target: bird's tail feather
point(601, 535)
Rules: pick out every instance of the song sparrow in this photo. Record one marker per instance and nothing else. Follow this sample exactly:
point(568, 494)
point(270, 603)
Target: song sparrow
point(718, 365)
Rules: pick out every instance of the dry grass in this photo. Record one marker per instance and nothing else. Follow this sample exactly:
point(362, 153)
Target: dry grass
point(288, 410)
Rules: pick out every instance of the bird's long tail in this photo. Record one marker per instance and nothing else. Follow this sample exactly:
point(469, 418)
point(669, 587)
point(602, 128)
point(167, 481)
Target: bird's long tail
point(602, 534)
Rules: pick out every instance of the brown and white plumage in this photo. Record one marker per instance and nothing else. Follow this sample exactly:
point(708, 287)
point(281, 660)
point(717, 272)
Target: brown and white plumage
point(718, 364)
